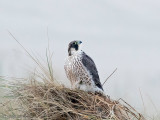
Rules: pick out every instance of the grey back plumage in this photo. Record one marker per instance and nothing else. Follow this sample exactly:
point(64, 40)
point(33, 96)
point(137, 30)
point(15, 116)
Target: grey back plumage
point(91, 67)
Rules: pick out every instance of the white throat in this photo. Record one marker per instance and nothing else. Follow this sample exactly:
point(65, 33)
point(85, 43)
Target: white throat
point(74, 52)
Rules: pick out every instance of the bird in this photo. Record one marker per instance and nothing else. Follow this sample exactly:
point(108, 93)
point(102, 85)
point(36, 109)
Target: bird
point(81, 70)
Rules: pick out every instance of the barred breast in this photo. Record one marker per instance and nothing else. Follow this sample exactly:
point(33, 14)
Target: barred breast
point(76, 72)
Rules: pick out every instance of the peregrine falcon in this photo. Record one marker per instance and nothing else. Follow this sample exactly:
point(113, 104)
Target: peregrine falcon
point(81, 69)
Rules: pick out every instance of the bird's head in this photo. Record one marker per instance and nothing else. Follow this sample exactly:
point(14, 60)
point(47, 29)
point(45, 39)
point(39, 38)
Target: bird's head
point(74, 46)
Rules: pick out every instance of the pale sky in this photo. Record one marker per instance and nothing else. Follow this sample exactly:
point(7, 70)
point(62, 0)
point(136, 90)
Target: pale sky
point(116, 34)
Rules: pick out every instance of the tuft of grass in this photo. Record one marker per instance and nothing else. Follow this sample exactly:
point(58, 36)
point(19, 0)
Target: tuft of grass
point(37, 100)
point(42, 97)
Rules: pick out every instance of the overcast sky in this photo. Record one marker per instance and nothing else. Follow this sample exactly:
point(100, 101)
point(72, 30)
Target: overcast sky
point(116, 34)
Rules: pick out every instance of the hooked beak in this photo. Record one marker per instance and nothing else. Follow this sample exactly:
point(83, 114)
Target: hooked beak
point(79, 42)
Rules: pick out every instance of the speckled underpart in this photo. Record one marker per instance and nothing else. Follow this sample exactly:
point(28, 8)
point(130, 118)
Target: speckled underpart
point(75, 71)
point(78, 75)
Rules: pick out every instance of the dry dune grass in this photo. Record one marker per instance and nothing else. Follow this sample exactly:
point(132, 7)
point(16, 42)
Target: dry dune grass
point(55, 102)
point(43, 98)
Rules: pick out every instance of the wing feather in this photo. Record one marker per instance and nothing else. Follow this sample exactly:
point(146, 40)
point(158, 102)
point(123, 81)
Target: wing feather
point(91, 67)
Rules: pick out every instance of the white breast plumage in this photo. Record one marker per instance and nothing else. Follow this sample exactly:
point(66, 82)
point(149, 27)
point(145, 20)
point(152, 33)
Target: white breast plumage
point(78, 74)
